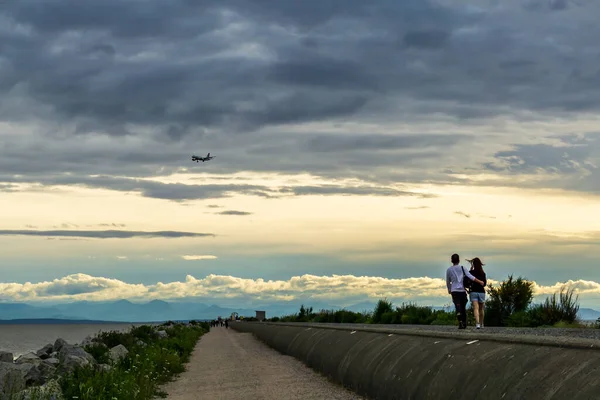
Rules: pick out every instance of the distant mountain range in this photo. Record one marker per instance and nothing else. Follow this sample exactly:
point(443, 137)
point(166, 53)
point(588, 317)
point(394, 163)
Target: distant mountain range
point(155, 310)
point(158, 310)
point(587, 314)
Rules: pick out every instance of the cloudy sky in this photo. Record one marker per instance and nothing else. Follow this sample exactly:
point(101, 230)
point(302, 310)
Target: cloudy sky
point(358, 145)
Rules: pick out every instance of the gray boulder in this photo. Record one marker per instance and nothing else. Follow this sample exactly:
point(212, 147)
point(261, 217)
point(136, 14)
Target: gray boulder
point(5, 356)
point(58, 344)
point(88, 341)
point(49, 391)
point(71, 356)
point(16, 377)
point(47, 371)
point(51, 361)
point(162, 334)
point(117, 353)
point(29, 358)
point(45, 351)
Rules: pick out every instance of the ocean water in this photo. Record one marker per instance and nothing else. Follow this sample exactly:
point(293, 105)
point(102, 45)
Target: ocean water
point(21, 339)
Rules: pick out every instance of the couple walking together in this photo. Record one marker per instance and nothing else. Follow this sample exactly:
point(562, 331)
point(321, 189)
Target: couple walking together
point(456, 275)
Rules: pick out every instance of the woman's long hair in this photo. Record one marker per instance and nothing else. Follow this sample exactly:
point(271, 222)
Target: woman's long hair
point(477, 265)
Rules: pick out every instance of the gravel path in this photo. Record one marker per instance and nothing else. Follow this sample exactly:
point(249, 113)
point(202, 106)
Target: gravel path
point(230, 365)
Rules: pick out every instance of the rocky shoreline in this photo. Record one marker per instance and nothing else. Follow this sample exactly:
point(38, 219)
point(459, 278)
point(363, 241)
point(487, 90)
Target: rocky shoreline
point(36, 375)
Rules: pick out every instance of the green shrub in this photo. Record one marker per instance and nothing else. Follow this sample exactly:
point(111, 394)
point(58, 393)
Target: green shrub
point(144, 333)
point(115, 338)
point(99, 352)
point(139, 374)
point(565, 308)
point(596, 324)
point(512, 296)
point(383, 306)
point(561, 309)
point(389, 317)
point(520, 319)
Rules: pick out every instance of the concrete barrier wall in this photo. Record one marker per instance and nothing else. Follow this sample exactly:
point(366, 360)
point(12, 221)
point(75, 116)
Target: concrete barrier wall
point(402, 366)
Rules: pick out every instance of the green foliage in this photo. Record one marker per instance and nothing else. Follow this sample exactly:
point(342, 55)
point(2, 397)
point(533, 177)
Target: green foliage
point(596, 324)
point(507, 305)
point(512, 296)
point(563, 309)
point(521, 319)
point(558, 310)
point(565, 324)
point(145, 333)
point(304, 314)
point(99, 352)
point(340, 316)
point(139, 374)
point(383, 313)
point(383, 306)
point(444, 318)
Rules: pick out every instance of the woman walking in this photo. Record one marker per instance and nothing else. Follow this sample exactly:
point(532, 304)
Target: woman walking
point(477, 294)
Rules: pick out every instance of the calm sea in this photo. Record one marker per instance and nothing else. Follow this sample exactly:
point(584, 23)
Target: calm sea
point(21, 339)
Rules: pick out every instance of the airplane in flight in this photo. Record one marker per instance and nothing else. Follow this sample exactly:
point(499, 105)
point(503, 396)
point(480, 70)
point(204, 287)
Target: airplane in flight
point(207, 158)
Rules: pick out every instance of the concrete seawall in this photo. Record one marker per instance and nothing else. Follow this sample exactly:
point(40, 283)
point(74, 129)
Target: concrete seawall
point(382, 364)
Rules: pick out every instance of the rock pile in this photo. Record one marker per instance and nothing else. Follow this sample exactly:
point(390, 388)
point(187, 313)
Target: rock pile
point(43, 368)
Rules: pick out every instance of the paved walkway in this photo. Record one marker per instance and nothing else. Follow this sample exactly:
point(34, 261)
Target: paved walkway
point(231, 365)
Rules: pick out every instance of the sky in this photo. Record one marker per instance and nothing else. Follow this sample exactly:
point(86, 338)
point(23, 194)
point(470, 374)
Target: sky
point(357, 146)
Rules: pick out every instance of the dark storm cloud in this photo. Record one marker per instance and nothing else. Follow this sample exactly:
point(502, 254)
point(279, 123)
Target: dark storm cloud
point(235, 76)
point(145, 74)
point(234, 212)
point(105, 234)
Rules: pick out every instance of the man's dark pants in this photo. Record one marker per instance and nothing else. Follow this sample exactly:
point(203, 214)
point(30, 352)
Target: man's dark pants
point(460, 302)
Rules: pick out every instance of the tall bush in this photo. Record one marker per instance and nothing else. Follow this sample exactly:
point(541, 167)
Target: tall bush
point(383, 307)
point(562, 307)
point(512, 296)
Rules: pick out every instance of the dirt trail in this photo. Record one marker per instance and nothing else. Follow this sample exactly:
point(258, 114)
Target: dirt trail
point(231, 365)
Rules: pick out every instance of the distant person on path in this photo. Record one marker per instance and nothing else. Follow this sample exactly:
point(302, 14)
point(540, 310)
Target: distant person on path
point(477, 293)
point(454, 281)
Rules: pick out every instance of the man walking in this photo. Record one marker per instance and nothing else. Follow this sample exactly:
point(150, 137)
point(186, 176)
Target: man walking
point(454, 281)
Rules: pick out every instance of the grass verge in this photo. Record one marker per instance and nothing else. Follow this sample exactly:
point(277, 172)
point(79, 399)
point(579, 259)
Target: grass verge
point(153, 359)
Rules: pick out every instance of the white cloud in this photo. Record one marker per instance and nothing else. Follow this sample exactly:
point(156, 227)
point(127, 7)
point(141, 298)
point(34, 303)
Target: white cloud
point(200, 257)
point(338, 288)
point(122, 257)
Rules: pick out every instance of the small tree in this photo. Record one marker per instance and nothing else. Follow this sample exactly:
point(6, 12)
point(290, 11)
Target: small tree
point(304, 314)
point(383, 307)
point(512, 296)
